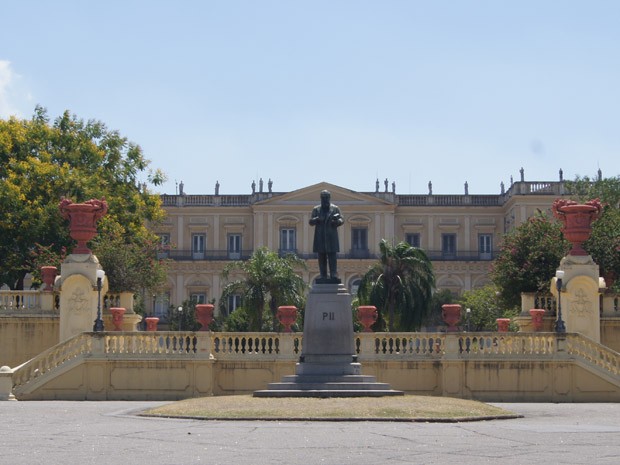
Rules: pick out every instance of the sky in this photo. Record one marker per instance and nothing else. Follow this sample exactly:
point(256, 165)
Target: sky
point(341, 91)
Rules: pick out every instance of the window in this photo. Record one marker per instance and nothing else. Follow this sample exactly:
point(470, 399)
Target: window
point(355, 285)
point(234, 246)
point(287, 240)
point(485, 246)
point(234, 301)
point(413, 239)
point(164, 246)
point(161, 302)
point(198, 298)
point(359, 242)
point(198, 246)
point(448, 245)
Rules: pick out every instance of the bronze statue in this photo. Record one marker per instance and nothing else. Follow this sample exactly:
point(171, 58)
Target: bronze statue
point(326, 219)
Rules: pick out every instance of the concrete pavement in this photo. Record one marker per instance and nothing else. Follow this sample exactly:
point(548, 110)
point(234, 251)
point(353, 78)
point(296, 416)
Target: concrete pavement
point(104, 433)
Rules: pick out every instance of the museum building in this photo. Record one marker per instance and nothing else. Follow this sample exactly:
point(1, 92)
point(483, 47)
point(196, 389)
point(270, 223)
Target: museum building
point(461, 234)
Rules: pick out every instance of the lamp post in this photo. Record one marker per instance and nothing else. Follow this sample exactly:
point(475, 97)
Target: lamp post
point(468, 312)
point(559, 323)
point(98, 326)
point(180, 310)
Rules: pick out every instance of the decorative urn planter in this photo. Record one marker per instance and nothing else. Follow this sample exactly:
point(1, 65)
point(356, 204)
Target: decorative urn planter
point(537, 318)
point(503, 324)
point(451, 315)
point(367, 315)
point(48, 276)
point(204, 315)
point(117, 317)
point(83, 219)
point(151, 323)
point(287, 314)
point(577, 221)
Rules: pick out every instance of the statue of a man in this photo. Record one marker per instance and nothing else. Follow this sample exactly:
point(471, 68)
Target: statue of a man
point(326, 219)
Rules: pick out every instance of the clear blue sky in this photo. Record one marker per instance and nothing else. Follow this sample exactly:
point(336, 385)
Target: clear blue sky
point(338, 91)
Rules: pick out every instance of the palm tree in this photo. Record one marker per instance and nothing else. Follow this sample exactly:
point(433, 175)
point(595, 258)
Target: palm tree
point(401, 283)
point(267, 278)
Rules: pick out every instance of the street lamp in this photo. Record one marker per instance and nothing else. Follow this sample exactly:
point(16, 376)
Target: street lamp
point(180, 310)
point(559, 323)
point(98, 326)
point(468, 313)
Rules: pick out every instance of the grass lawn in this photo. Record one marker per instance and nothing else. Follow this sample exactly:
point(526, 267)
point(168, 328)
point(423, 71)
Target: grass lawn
point(400, 408)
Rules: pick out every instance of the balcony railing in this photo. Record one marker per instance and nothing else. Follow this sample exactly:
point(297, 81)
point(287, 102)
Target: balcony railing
point(352, 254)
point(193, 255)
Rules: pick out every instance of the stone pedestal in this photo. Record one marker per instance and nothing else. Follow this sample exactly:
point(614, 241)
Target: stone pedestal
point(328, 365)
point(580, 296)
point(78, 296)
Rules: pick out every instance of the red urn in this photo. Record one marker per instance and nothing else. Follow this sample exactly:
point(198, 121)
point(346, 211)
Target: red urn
point(503, 324)
point(537, 318)
point(117, 317)
point(83, 219)
point(151, 323)
point(577, 221)
point(287, 315)
point(367, 315)
point(204, 315)
point(48, 276)
point(451, 315)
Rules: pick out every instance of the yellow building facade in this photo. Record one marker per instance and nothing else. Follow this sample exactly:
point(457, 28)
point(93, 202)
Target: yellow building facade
point(461, 234)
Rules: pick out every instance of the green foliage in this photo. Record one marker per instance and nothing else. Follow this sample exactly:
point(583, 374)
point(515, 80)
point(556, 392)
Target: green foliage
point(400, 285)
point(604, 244)
point(528, 258)
point(486, 306)
point(131, 264)
point(241, 321)
point(184, 319)
point(441, 297)
point(41, 162)
point(265, 281)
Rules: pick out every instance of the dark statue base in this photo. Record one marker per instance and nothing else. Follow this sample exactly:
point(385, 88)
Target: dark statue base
point(328, 365)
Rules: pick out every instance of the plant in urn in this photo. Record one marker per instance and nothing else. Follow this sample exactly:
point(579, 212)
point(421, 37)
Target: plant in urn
point(577, 221)
point(451, 315)
point(83, 219)
point(204, 315)
point(287, 314)
point(367, 315)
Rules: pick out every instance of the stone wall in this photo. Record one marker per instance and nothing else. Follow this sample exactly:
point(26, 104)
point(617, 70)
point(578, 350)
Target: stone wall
point(23, 337)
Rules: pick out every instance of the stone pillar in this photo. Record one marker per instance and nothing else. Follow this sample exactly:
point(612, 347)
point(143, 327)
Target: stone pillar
point(78, 294)
point(580, 296)
point(328, 332)
point(6, 383)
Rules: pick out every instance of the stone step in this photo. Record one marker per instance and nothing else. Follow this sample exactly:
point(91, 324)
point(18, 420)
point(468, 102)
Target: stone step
point(326, 393)
point(329, 386)
point(323, 378)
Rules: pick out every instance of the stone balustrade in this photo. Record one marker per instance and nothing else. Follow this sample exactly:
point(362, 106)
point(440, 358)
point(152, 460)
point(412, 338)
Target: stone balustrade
point(141, 365)
point(594, 353)
point(25, 301)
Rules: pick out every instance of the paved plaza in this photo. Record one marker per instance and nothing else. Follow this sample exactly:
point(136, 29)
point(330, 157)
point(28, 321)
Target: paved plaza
point(109, 433)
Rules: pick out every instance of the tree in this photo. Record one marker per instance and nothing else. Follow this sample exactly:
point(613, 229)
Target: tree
point(440, 297)
point(604, 244)
point(528, 258)
point(268, 281)
point(486, 306)
point(40, 162)
point(400, 284)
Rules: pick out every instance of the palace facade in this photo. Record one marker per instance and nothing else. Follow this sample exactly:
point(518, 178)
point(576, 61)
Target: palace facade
point(461, 234)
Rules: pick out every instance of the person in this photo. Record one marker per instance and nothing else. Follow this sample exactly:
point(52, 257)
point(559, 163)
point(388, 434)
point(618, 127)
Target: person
point(326, 219)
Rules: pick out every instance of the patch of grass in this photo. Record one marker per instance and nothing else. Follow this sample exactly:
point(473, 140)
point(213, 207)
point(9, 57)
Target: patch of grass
point(403, 408)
